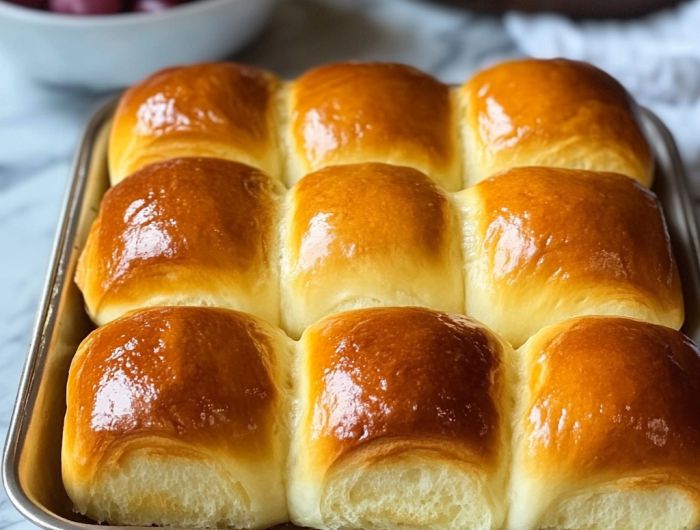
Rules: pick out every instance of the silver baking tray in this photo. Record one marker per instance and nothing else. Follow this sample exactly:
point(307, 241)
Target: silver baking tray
point(32, 459)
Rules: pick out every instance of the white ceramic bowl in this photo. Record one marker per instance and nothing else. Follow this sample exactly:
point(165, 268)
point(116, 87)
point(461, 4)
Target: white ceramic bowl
point(108, 51)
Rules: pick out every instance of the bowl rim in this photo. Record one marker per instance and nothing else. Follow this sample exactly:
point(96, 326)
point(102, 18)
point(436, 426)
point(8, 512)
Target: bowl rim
point(31, 15)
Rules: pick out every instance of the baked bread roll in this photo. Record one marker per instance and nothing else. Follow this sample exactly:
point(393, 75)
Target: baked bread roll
point(555, 113)
point(402, 422)
point(176, 416)
point(608, 428)
point(372, 112)
point(368, 235)
point(542, 245)
point(222, 110)
point(187, 231)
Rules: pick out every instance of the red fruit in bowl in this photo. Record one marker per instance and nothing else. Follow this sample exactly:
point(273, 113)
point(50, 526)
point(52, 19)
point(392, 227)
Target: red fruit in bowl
point(86, 7)
point(151, 6)
point(36, 4)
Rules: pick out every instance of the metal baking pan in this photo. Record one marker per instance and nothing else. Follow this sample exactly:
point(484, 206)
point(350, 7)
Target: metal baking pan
point(32, 459)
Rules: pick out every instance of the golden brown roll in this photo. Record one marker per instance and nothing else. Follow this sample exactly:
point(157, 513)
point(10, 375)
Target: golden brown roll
point(176, 416)
point(372, 112)
point(187, 231)
point(222, 110)
point(555, 113)
point(608, 428)
point(402, 422)
point(542, 245)
point(364, 235)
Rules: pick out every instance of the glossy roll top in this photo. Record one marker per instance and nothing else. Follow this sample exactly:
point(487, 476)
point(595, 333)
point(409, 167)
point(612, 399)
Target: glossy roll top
point(190, 231)
point(222, 110)
point(555, 113)
point(176, 416)
point(402, 422)
point(608, 429)
point(365, 235)
point(372, 112)
point(543, 245)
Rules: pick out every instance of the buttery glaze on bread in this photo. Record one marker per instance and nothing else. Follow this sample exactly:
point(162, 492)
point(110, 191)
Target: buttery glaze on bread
point(222, 110)
point(176, 416)
point(557, 113)
point(401, 422)
point(372, 112)
point(542, 245)
point(364, 235)
point(608, 428)
point(382, 418)
point(187, 231)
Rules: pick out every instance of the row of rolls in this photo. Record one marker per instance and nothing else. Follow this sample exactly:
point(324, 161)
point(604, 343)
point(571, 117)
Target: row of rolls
point(521, 250)
point(282, 273)
point(383, 418)
point(556, 113)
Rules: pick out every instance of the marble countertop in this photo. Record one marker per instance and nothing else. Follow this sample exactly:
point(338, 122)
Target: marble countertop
point(40, 127)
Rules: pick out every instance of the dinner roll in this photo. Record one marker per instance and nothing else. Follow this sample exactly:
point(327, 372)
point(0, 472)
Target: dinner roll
point(372, 112)
point(187, 231)
point(402, 422)
point(542, 245)
point(222, 110)
point(176, 416)
point(368, 235)
point(551, 113)
point(608, 428)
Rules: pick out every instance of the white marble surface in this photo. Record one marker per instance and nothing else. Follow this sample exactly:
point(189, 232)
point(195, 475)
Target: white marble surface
point(40, 127)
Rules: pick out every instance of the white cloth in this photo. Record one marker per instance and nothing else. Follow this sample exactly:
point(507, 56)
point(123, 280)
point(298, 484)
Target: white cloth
point(656, 57)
